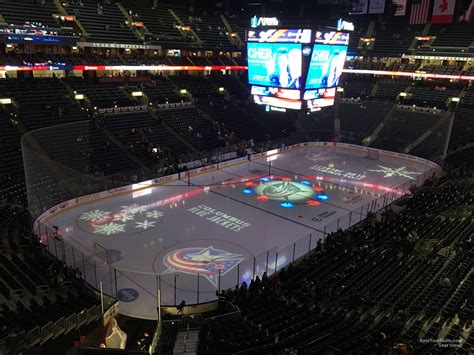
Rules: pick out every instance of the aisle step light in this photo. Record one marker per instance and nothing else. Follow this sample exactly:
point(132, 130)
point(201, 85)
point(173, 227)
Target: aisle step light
point(137, 93)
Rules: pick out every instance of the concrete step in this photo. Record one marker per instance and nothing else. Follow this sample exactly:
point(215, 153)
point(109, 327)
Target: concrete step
point(182, 337)
point(185, 351)
point(186, 342)
point(187, 346)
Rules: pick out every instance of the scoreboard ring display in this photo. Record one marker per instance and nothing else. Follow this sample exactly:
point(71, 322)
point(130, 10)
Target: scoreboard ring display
point(295, 68)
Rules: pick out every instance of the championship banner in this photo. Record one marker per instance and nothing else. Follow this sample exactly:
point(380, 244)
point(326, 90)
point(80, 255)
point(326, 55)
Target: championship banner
point(401, 7)
point(443, 11)
point(360, 7)
point(377, 6)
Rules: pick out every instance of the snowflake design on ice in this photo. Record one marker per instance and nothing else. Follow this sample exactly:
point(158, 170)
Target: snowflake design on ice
point(145, 224)
point(124, 217)
point(389, 172)
point(154, 214)
point(109, 228)
point(94, 215)
point(133, 209)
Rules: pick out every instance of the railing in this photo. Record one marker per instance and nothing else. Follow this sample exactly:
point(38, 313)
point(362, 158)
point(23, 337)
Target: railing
point(93, 313)
point(13, 344)
point(82, 318)
point(173, 323)
point(71, 322)
point(156, 337)
point(47, 332)
point(222, 316)
point(33, 337)
point(59, 327)
point(192, 320)
point(39, 335)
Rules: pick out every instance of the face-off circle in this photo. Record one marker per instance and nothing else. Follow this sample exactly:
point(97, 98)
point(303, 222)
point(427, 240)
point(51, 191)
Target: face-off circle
point(124, 220)
point(287, 191)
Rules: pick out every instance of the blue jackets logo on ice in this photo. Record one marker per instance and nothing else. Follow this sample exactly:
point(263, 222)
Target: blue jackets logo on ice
point(206, 262)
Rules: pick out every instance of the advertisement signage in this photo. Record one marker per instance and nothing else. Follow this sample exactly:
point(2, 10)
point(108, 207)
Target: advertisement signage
point(264, 21)
point(276, 92)
point(279, 36)
point(332, 37)
point(326, 65)
point(319, 93)
point(317, 104)
point(277, 102)
point(275, 65)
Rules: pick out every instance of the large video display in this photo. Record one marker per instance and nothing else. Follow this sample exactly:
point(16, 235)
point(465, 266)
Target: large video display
point(275, 64)
point(325, 68)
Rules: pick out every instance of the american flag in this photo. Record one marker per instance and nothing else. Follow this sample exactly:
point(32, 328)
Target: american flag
point(419, 12)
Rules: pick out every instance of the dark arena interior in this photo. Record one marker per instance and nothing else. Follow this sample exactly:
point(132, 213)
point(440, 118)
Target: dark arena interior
point(237, 177)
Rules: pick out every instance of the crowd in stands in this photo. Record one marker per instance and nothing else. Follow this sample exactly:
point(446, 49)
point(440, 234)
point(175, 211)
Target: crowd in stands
point(174, 26)
point(152, 134)
point(398, 276)
point(35, 288)
point(376, 105)
point(401, 275)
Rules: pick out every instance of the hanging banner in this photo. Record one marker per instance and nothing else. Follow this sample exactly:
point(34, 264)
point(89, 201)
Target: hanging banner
point(401, 7)
point(377, 6)
point(360, 7)
point(443, 11)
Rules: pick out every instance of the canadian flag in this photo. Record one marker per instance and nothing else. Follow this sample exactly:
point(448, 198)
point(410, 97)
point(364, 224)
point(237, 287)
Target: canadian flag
point(443, 11)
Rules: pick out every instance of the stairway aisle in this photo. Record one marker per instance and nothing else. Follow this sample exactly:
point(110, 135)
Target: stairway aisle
point(186, 342)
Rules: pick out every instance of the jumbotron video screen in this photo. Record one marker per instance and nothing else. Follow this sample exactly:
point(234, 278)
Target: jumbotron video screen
point(295, 68)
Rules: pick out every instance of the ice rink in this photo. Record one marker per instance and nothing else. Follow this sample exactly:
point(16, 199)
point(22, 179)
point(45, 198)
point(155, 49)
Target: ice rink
point(189, 237)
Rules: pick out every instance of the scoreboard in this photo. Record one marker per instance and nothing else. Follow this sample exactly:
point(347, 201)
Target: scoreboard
point(295, 68)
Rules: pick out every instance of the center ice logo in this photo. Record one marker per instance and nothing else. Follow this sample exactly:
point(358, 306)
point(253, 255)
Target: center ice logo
point(284, 190)
point(203, 261)
point(288, 192)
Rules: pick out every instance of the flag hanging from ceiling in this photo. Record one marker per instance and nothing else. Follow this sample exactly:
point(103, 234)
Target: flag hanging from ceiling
point(401, 7)
point(443, 11)
point(419, 12)
point(360, 7)
point(469, 14)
